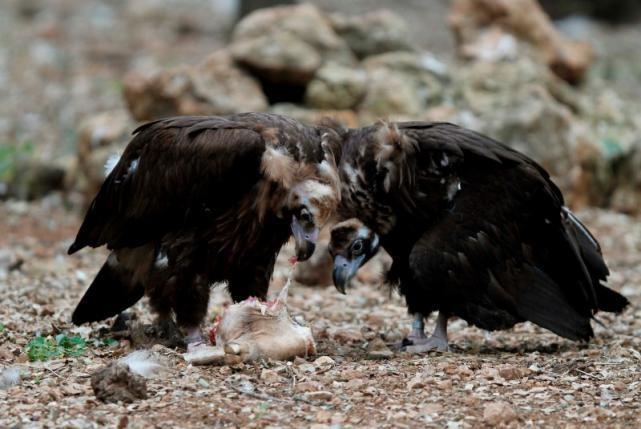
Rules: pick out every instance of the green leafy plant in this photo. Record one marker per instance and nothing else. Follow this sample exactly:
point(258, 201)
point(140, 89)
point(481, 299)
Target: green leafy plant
point(107, 342)
point(261, 410)
point(2, 328)
point(44, 348)
point(10, 155)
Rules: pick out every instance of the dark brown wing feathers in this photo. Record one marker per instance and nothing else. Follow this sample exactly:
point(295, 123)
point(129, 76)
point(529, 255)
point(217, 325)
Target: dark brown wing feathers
point(190, 197)
point(479, 231)
point(179, 162)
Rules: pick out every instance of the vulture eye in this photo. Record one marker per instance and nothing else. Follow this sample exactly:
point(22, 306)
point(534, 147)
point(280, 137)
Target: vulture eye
point(357, 247)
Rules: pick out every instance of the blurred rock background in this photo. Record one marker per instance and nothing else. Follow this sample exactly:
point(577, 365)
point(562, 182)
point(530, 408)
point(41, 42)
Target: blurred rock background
point(76, 77)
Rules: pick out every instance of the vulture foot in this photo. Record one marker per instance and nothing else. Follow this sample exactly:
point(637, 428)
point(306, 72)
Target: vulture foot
point(166, 331)
point(194, 339)
point(416, 335)
point(438, 340)
point(193, 347)
point(432, 343)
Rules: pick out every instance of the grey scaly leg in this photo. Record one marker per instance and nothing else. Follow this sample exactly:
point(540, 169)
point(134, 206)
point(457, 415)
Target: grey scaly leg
point(194, 338)
point(438, 340)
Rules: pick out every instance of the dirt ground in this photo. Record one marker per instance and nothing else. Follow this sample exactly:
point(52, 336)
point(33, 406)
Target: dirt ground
point(521, 377)
point(61, 61)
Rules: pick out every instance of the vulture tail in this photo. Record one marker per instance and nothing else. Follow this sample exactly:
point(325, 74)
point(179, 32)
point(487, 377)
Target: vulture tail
point(547, 306)
point(110, 293)
point(610, 300)
point(590, 251)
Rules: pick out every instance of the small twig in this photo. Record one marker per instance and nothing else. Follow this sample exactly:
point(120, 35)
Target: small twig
point(261, 396)
point(310, 402)
point(292, 375)
point(54, 372)
point(587, 373)
point(266, 397)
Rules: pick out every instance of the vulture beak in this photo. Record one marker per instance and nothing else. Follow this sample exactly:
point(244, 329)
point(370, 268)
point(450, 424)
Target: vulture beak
point(345, 269)
point(305, 234)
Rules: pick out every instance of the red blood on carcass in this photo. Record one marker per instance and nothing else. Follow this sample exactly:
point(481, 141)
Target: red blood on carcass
point(214, 329)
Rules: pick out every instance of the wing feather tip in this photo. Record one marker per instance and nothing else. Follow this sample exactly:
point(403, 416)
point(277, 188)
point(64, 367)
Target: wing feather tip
point(74, 248)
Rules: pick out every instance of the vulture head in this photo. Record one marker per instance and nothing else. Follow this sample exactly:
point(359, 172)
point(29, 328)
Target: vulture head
point(311, 203)
point(312, 192)
point(352, 244)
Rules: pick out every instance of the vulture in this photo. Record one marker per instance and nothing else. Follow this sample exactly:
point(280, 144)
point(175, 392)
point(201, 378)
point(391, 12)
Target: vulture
point(197, 200)
point(475, 229)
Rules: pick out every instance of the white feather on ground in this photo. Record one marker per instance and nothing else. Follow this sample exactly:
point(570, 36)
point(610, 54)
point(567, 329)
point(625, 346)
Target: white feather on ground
point(143, 362)
point(9, 376)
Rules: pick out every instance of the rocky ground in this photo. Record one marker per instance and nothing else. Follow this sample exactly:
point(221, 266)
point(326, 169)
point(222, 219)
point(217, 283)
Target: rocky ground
point(62, 62)
point(521, 377)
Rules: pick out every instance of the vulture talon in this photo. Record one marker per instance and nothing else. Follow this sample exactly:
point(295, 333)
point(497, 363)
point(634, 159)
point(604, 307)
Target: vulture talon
point(436, 342)
point(197, 346)
point(430, 344)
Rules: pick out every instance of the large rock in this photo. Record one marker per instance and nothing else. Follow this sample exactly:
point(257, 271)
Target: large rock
point(336, 87)
point(347, 118)
point(214, 87)
point(280, 58)
point(616, 127)
point(516, 102)
point(99, 137)
point(118, 383)
point(287, 44)
point(373, 33)
point(34, 178)
point(478, 24)
point(626, 196)
point(586, 139)
point(180, 16)
point(402, 83)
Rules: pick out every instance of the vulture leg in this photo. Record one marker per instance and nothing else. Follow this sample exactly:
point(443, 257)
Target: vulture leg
point(194, 339)
point(416, 334)
point(418, 329)
point(166, 328)
point(438, 340)
point(190, 308)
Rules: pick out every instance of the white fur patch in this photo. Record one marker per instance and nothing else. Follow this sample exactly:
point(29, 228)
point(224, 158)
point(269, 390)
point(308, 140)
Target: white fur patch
point(317, 197)
point(277, 165)
point(326, 169)
point(375, 242)
point(133, 165)
point(142, 362)
point(9, 376)
point(351, 174)
point(319, 191)
point(162, 260)
point(111, 163)
point(453, 188)
point(363, 232)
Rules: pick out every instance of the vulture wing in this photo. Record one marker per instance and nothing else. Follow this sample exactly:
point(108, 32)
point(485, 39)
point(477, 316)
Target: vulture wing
point(501, 241)
point(174, 169)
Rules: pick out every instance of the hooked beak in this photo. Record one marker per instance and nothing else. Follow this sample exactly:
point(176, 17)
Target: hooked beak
point(344, 270)
point(305, 239)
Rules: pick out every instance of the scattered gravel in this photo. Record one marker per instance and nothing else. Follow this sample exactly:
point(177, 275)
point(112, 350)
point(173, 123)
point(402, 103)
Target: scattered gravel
point(525, 376)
